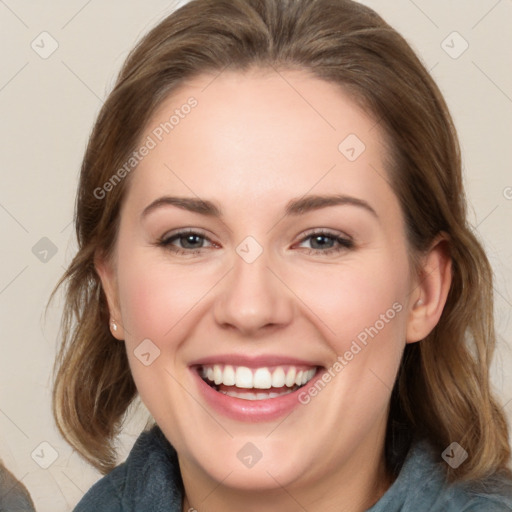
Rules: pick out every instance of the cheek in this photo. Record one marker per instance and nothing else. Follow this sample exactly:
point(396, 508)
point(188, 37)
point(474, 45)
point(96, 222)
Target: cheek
point(355, 296)
point(361, 313)
point(144, 293)
point(157, 302)
point(156, 297)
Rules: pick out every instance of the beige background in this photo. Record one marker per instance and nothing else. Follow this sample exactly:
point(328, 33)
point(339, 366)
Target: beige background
point(47, 107)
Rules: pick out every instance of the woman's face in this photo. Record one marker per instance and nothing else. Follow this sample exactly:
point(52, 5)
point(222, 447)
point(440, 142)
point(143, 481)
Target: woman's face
point(292, 267)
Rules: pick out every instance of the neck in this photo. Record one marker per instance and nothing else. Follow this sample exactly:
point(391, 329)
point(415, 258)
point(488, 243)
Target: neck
point(355, 486)
point(283, 501)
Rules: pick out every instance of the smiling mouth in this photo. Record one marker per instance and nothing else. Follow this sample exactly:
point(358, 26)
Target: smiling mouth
point(256, 383)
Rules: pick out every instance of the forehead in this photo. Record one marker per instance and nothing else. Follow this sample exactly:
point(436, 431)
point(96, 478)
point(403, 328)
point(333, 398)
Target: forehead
point(264, 135)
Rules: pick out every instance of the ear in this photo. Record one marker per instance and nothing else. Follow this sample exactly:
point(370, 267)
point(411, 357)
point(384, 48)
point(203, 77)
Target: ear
point(105, 270)
point(430, 291)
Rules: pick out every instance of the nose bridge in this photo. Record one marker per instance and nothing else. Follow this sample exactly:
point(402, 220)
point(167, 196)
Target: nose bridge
point(252, 296)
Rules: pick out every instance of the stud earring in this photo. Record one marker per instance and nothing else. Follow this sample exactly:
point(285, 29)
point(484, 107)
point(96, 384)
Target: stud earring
point(114, 326)
point(419, 303)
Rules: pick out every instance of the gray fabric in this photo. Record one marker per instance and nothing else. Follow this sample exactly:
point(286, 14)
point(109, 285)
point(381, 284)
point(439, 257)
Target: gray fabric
point(13, 495)
point(420, 487)
point(150, 480)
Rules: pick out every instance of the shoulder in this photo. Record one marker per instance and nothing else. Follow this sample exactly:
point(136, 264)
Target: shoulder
point(149, 476)
point(493, 494)
point(421, 487)
point(106, 494)
point(13, 495)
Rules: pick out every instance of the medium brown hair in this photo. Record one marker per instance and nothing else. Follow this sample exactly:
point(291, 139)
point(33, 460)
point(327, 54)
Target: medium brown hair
point(443, 389)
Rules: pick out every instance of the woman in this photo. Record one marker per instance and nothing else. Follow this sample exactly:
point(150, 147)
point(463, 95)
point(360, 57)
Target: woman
point(274, 255)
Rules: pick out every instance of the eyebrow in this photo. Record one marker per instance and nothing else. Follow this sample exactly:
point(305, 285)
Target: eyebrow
point(293, 208)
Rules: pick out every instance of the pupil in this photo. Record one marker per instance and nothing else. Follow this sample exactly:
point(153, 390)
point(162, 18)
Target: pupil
point(189, 239)
point(320, 238)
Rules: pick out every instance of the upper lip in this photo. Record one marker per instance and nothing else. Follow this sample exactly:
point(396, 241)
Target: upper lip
point(253, 361)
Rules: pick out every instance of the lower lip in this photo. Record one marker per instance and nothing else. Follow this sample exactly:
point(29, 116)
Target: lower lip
point(252, 410)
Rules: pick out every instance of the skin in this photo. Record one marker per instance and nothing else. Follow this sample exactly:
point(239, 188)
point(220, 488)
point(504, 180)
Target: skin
point(252, 144)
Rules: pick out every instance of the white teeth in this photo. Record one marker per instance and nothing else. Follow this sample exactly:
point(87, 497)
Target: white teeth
point(262, 378)
point(228, 377)
point(244, 378)
point(217, 374)
point(310, 374)
point(259, 378)
point(278, 378)
point(290, 378)
point(255, 396)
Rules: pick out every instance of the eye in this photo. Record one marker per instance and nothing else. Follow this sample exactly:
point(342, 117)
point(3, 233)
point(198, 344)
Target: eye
point(191, 242)
point(324, 242)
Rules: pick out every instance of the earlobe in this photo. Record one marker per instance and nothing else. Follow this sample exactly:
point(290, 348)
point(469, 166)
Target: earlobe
point(106, 273)
point(430, 292)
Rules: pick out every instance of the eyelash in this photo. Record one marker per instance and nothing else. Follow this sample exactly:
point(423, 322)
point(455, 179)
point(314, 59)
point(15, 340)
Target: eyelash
point(343, 243)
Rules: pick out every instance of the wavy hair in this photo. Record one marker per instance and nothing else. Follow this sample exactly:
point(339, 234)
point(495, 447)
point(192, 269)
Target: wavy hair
point(443, 390)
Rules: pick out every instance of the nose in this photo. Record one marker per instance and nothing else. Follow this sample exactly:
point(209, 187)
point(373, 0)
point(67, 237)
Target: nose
point(253, 298)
